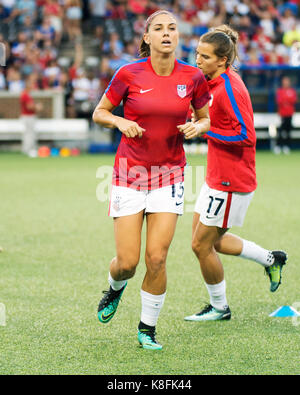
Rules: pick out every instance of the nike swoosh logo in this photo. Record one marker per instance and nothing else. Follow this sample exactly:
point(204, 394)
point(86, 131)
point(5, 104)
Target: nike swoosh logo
point(210, 217)
point(106, 317)
point(147, 90)
point(178, 204)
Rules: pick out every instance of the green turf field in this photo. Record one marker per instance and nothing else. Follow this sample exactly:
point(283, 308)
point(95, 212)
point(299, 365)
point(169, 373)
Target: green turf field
point(58, 241)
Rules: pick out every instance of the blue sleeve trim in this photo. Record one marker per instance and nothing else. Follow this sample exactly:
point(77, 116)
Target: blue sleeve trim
point(243, 135)
point(107, 89)
point(137, 61)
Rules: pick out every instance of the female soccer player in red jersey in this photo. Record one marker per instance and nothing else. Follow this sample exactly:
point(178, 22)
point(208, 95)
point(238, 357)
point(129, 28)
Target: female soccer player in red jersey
point(231, 177)
point(148, 173)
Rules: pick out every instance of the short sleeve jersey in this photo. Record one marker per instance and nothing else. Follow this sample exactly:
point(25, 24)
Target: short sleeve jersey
point(232, 137)
point(158, 104)
point(25, 101)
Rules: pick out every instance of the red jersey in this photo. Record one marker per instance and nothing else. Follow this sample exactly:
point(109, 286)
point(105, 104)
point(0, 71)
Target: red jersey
point(232, 137)
point(286, 100)
point(25, 101)
point(158, 104)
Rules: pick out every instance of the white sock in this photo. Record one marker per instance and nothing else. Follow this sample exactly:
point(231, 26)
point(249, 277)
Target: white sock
point(116, 285)
point(217, 294)
point(151, 306)
point(256, 253)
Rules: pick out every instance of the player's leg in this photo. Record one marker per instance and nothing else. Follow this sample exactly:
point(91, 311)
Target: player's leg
point(122, 267)
point(230, 244)
point(204, 238)
point(127, 208)
point(203, 242)
point(278, 146)
point(209, 224)
point(163, 205)
point(272, 261)
point(160, 232)
point(286, 141)
point(196, 219)
point(29, 139)
point(128, 245)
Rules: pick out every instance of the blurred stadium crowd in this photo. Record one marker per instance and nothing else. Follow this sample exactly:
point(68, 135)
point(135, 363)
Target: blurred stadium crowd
point(36, 34)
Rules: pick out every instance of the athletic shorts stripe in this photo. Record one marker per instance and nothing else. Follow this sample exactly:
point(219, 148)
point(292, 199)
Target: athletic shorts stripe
point(227, 210)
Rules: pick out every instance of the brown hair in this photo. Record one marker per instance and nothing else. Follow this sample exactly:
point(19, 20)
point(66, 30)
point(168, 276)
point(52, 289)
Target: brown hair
point(225, 41)
point(144, 49)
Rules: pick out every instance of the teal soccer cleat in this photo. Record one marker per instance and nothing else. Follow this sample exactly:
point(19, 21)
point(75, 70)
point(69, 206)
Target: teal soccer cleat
point(147, 339)
point(108, 304)
point(274, 271)
point(209, 313)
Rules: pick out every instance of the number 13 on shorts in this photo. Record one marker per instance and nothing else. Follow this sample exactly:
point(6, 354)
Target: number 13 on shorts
point(177, 195)
point(178, 192)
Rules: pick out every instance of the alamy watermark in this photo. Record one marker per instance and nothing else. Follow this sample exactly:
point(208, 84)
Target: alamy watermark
point(2, 55)
point(140, 178)
point(2, 314)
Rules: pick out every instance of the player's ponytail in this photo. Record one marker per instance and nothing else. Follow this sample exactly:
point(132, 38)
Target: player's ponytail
point(225, 41)
point(144, 49)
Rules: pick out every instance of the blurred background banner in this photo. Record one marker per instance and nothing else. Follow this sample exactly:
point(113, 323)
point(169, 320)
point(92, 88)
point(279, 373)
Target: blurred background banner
point(72, 48)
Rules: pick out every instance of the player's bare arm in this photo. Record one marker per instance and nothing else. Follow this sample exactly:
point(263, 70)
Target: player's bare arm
point(198, 126)
point(103, 115)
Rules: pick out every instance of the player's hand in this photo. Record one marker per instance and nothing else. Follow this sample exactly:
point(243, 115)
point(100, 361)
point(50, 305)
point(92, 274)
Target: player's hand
point(193, 117)
point(190, 130)
point(39, 107)
point(129, 128)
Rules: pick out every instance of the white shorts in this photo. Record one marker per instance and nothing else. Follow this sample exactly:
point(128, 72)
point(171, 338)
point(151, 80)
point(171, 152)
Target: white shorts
point(128, 201)
point(222, 209)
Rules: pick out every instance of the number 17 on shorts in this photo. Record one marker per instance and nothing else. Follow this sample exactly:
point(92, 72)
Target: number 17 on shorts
point(222, 209)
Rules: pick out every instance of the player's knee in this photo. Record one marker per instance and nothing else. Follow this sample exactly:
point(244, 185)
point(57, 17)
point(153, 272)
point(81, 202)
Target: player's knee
point(201, 250)
point(156, 261)
point(196, 247)
point(127, 265)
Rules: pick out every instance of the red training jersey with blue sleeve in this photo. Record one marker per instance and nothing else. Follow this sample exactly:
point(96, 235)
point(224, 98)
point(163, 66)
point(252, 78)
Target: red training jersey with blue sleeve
point(231, 138)
point(158, 104)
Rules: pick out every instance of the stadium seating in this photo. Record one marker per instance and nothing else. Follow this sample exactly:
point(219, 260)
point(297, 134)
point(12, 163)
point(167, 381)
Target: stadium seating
point(64, 62)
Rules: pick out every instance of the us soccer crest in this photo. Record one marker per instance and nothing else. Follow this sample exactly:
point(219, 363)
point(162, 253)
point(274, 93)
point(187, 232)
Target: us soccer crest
point(181, 91)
